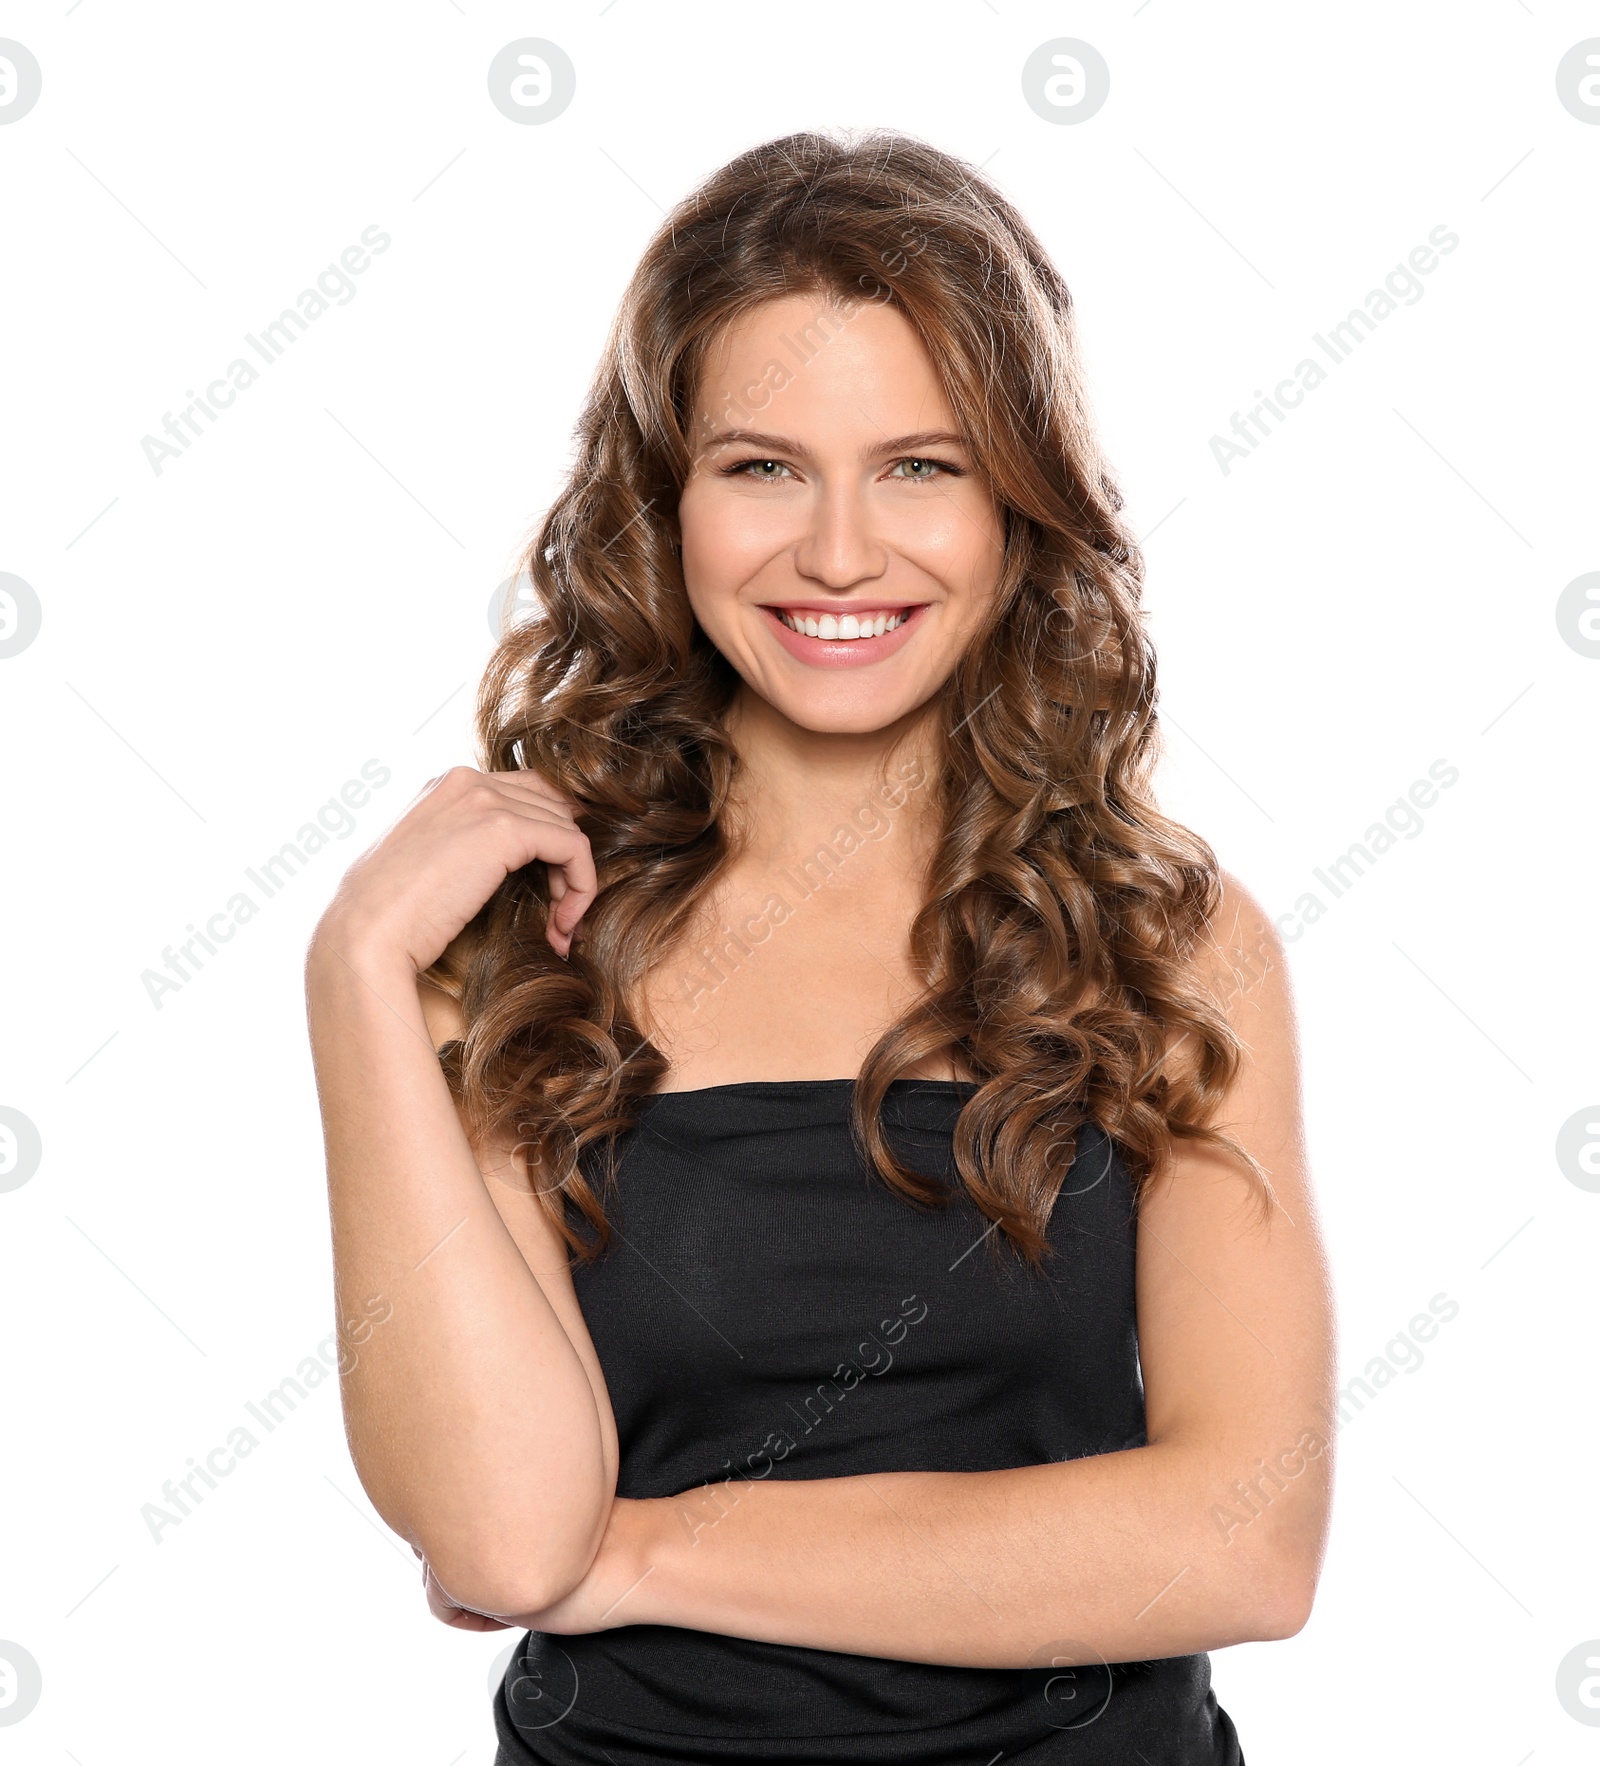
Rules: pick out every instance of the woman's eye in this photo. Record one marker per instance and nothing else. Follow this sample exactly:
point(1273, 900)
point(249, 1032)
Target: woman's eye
point(913, 468)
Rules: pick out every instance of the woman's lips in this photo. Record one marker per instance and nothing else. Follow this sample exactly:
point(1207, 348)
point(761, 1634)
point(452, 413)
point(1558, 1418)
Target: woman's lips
point(844, 652)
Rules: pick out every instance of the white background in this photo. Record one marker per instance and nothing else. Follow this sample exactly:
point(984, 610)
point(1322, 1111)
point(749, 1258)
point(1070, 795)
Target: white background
point(226, 642)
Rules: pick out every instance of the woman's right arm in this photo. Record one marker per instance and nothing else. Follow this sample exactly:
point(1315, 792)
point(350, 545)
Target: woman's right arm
point(476, 1411)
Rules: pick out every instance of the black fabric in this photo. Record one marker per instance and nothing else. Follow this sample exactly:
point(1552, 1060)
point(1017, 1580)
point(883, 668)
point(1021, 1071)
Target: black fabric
point(770, 1308)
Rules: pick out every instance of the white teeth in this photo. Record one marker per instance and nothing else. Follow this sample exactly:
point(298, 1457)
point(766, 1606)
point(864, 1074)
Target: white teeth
point(842, 627)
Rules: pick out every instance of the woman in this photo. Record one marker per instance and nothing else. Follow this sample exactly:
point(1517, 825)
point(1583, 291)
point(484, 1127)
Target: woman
point(830, 1146)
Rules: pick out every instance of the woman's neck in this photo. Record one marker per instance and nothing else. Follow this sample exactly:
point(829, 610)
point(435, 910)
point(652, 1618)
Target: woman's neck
point(797, 787)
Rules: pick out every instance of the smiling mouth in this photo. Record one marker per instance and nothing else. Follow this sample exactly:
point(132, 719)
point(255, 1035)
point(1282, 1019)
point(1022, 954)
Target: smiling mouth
point(844, 627)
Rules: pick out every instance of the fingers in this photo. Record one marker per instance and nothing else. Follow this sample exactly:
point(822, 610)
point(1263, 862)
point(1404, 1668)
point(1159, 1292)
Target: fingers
point(520, 786)
point(573, 880)
point(580, 883)
point(545, 831)
point(566, 853)
point(527, 783)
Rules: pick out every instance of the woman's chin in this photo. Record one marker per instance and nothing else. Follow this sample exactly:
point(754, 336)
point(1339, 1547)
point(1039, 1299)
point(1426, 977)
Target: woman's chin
point(830, 718)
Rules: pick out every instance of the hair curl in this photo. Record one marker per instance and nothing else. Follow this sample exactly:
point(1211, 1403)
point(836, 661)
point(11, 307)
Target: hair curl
point(1061, 905)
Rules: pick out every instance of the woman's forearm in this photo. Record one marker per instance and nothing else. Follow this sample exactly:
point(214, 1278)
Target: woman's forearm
point(1121, 1553)
point(471, 1419)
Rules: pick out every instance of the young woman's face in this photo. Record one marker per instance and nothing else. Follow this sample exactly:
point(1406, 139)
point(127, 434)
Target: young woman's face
point(832, 497)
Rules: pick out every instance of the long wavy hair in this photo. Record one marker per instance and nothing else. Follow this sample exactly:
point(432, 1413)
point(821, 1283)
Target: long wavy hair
point(1060, 904)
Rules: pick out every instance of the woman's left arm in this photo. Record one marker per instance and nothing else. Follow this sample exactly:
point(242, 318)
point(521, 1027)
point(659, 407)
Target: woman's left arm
point(1210, 1535)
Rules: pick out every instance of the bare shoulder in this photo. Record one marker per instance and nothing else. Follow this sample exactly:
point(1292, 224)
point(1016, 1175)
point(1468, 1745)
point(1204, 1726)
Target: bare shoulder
point(1239, 958)
point(1238, 965)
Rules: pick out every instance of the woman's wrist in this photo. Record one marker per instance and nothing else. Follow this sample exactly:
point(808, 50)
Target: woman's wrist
point(342, 947)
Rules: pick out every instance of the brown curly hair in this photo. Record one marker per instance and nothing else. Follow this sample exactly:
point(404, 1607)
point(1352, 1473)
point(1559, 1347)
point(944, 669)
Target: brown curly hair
point(1060, 905)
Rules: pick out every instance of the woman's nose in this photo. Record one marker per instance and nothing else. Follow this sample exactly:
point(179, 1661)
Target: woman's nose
point(840, 546)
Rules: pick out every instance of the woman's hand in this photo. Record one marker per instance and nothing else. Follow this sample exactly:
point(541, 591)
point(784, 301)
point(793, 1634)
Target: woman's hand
point(411, 893)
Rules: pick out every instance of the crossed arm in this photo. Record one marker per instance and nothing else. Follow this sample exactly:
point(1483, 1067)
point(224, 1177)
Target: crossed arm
point(1210, 1535)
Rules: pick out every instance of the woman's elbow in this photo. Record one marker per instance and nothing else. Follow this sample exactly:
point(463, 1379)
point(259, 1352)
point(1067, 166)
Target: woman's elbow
point(1280, 1606)
point(505, 1584)
point(520, 1568)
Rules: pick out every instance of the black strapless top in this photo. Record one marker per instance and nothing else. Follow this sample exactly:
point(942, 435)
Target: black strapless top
point(770, 1308)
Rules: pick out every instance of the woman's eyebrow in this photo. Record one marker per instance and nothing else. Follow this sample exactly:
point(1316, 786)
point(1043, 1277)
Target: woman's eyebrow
point(783, 444)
